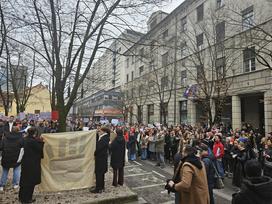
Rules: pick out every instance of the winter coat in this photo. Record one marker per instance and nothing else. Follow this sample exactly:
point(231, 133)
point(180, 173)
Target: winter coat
point(31, 162)
point(151, 144)
point(144, 141)
point(218, 150)
point(255, 191)
point(10, 146)
point(209, 166)
point(193, 187)
point(159, 143)
point(101, 154)
point(117, 148)
point(238, 169)
point(132, 140)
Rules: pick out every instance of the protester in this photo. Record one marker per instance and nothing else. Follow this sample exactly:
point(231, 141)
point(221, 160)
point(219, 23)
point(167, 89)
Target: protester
point(117, 148)
point(101, 159)
point(132, 140)
point(144, 145)
point(268, 158)
point(239, 162)
point(11, 145)
point(210, 171)
point(193, 187)
point(159, 148)
point(256, 189)
point(31, 165)
point(218, 151)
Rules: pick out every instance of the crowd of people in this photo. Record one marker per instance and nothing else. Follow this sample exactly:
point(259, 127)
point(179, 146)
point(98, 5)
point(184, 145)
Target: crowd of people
point(202, 157)
point(223, 153)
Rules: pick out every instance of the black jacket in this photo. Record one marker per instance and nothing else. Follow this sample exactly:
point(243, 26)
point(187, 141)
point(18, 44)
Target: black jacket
point(209, 171)
point(117, 148)
point(101, 154)
point(255, 191)
point(31, 162)
point(10, 146)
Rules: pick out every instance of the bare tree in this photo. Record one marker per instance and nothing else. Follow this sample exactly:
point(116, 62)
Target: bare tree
point(210, 64)
point(21, 76)
point(5, 95)
point(69, 36)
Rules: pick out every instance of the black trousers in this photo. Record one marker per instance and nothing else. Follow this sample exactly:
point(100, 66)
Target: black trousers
point(25, 193)
point(100, 181)
point(118, 176)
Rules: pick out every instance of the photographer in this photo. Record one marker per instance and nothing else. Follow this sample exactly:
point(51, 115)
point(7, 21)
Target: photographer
point(193, 187)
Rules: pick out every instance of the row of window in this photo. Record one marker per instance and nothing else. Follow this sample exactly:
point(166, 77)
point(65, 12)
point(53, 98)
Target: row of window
point(249, 62)
point(150, 111)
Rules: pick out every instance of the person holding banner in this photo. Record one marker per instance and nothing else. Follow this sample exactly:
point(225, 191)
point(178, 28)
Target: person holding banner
point(101, 159)
point(31, 165)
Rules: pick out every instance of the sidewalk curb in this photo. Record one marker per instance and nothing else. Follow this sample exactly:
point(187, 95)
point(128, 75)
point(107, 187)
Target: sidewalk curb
point(117, 200)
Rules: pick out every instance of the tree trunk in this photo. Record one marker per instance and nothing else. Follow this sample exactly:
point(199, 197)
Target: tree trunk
point(62, 117)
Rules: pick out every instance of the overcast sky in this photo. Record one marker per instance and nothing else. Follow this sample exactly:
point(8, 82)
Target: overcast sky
point(170, 5)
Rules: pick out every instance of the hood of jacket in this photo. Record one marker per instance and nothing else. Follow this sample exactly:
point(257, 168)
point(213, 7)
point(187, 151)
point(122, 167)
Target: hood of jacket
point(194, 160)
point(262, 186)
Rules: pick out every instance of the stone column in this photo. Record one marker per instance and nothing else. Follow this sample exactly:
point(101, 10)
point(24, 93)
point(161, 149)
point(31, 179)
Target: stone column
point(191, 112)
point(212, 104)
point(268, 111)
point(236, 113)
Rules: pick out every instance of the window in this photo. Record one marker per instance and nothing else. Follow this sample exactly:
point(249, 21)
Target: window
point(132, 75)
point(164, 82)
point(110, 97)
point(199, 40)
point(141, 70)
point(132, 59)
point(132, 92)
point(219, 3)
point(183, 77)
point(220, 32)
point(140, 113)
point(153, 24)
point(183, 49)
point(127, 78)
point(165, 59)
point(165, 34)
point(247, 18)
point(106, 97)
point(152, 45)
point(150, 113)
point(183, 24)
point(183, 111)
point(164, 112)
point(200, 72)
point(220, 65)
point(141, 53)
point(37, 111)
point(200, 12)
point(127, 62)
point(249, 59)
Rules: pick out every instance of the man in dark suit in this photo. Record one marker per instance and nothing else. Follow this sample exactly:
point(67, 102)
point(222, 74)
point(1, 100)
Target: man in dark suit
point(101, 159)
point(9, 125)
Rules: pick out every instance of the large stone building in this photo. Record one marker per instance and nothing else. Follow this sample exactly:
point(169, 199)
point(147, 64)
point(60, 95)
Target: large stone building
point(204, 57)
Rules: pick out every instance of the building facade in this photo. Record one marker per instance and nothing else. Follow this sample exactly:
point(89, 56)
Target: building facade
point(203, 58)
